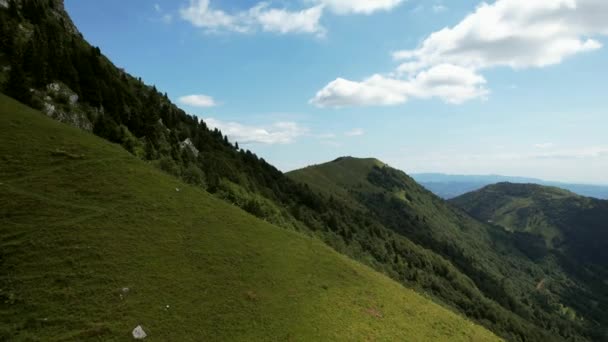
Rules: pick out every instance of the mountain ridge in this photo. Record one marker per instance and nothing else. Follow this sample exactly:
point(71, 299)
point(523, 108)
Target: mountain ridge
point(449, 186)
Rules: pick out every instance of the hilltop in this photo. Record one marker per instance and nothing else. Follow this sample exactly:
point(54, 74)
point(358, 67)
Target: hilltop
point(567, 222)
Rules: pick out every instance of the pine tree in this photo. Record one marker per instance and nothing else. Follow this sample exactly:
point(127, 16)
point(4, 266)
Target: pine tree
point(18, 86)
point(13, 9)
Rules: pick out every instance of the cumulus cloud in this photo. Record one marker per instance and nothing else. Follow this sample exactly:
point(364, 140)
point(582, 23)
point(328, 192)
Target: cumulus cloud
point(360, 6)
point(262, 16)
point(514, 33)
point(202, 101)
point(448, 63)
point(450, 83)
point(200, 14)
point(282, 21)
point(277, 133)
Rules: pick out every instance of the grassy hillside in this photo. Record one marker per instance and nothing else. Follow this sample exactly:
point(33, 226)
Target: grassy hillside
point(95, 242)
point(506, 291)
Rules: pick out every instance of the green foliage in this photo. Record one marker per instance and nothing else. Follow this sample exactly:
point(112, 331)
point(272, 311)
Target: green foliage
point(168, 165)
point(193, 175)
point(566, 222)
point(18, 85)
point(94, 242)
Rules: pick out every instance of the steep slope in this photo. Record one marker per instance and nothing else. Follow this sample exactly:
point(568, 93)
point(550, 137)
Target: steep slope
point(486, 254)
point(566, 222)
point(95, 242)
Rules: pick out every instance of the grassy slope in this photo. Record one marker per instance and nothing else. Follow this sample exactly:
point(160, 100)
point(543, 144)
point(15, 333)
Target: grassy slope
point(80, 219)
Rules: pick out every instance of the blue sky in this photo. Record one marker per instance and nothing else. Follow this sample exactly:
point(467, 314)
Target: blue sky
point(511, 87)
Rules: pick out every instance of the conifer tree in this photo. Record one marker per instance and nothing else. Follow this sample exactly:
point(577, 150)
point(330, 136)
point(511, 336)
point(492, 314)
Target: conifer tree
point(18, 86)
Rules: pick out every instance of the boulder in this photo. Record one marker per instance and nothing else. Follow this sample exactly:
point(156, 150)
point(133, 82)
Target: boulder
point(139, 333)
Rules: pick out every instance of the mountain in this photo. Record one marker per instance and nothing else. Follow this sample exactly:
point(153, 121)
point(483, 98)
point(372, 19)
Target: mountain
point(450, 186)
point(95, 242)
point(418, 241)
point(572, 224)
point(505, 281)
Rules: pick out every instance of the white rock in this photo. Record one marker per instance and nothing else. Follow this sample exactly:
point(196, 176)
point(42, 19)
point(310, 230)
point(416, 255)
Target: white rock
point(139, 333)
point(49, 109)
point(73, 99)
point(53, 87)
point(125, 289)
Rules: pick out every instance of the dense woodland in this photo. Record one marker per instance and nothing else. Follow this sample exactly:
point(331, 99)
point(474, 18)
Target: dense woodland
point(41, 45)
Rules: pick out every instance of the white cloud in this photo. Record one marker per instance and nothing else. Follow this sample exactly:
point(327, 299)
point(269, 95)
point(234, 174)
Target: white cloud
point(157, 8)
point(277, 133)
point(200, 14)
point(355, 132)
point(450, 83)
point(447, 64)
point(263, 17)
point(514, 33)
point(203, 101)
point(282, 21)
point(360, 6)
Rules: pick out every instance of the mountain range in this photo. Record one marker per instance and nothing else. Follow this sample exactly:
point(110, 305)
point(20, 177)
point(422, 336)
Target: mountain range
point(125, 211)
point(450, 186)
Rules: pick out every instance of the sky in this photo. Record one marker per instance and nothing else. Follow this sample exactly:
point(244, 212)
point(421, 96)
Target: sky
point(510, 87)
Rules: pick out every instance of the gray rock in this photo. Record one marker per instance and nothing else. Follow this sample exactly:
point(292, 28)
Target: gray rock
point(139, 333)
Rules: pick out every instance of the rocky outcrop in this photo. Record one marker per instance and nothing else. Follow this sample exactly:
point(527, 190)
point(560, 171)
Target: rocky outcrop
point(61, 103)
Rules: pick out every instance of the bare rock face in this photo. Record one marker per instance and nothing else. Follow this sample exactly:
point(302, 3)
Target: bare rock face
point(189, 145)
point(139, 333)
point(61, 104)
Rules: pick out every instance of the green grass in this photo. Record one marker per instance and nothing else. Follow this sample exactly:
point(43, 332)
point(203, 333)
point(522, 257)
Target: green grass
point(81, 219)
